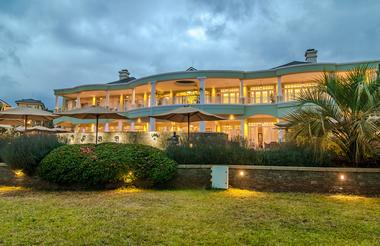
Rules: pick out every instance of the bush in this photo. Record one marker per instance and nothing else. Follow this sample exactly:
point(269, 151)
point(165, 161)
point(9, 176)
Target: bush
point(26, 151)
point(237, 152)
point(3, 142)
point(107, 163)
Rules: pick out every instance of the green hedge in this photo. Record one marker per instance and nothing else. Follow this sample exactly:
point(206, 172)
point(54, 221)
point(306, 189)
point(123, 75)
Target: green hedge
point(26, 151)
point(237, 152)
point(108, 163)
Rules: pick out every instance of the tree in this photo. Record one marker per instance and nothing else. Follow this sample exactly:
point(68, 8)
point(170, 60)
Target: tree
point(341, 111)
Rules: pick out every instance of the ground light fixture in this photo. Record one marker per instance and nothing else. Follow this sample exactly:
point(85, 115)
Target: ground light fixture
point(342, 177)
point(19, 173)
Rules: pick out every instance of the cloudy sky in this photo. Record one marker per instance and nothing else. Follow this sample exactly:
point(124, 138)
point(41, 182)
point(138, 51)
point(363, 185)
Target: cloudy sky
point(57, 43)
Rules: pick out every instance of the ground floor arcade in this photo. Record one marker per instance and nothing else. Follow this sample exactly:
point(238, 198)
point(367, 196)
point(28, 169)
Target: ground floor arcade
point(260, 131)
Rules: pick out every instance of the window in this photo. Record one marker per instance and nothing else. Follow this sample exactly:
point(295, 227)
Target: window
point(230, 96)
point(292, 91)
point(261, 94)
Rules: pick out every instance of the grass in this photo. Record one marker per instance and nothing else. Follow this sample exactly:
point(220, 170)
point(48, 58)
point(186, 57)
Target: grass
point(186, 217)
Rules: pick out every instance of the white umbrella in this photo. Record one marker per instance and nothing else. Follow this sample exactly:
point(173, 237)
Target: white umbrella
point(187, 114)
point(93, 112)
point(26, 113)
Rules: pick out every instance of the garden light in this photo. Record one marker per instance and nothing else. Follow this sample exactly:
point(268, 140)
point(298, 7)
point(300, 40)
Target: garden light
point(342, 177)
point(241, 173)
point(19, 173)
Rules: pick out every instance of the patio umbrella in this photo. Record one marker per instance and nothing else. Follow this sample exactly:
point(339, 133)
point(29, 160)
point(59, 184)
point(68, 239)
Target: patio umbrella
point(187, 114)
point(11, 122)
point(41, 129)
point(93, 112)
point(25, 113)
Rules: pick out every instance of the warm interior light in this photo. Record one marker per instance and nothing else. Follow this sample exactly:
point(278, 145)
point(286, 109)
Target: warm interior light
point(342, 177)
point(232, 117)
point(19, 173)
point(241, 173)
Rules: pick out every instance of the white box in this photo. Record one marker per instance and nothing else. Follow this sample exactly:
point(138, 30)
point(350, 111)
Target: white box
point(219, 177)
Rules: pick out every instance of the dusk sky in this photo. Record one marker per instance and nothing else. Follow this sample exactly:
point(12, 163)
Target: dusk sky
point(45, 45)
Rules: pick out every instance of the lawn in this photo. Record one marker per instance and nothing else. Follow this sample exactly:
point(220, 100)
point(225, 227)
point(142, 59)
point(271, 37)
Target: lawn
point(186, 217)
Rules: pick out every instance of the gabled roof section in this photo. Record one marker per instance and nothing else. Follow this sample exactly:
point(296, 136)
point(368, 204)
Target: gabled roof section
point(293, 63)
point(122, 81)
point(289, 68)
point(29, 100)
point(4, 102)
point(190, 69)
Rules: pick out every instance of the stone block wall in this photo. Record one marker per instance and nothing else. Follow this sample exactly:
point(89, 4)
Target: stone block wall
point(286, 179)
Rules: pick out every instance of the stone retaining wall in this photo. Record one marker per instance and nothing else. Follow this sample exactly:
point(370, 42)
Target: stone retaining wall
point(290, 179)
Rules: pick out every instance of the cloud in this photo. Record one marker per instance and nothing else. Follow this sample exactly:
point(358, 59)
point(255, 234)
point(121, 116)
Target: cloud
point(55, 44)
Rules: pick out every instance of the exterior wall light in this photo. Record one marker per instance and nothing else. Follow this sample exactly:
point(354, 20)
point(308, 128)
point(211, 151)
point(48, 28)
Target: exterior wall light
point(19, 173)
point(241, 173)
point(342, 177)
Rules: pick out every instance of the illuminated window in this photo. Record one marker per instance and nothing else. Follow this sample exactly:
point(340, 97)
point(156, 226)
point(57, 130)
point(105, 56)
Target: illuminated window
point(292, 91)
point(230, 95)
point(261, 94)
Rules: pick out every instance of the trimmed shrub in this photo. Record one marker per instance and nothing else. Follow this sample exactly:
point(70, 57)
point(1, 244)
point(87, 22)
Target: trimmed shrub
point(3, 142)
point(237, 152)
point(26, 151)
point(108, 163)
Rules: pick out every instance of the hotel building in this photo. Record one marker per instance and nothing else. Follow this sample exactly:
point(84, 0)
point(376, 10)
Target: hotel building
point(251, 101)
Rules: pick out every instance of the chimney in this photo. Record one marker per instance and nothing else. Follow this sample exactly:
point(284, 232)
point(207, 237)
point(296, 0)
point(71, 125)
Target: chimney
point(123, 74)
point(311, 55)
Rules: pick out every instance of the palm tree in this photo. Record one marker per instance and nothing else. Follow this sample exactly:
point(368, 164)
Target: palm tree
point(341, 111)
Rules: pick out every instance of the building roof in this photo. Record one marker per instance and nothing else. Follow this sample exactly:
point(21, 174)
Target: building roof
point(289, 68)
point(292, 64)
point(122, 81)
point(4, 102)
point(29, 100)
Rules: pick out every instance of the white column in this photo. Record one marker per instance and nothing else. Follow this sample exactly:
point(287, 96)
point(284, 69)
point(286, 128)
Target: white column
point(132, 126)
point(202, 126)
point(242, 124)
point(279, 89)
point(56, 103)
point(120, 125)
point(107, 99)
point(153, 93)
point(202, 90)
point(152, 124)
point(134, 96)
point(281, 135)
point(106, 127)
point(241, 91)
point(77, 103)
point(152, 121)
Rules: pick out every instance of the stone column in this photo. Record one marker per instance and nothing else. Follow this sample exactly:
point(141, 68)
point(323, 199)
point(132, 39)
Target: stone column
point(107, 99)
point(121, 103)
point(77, 103)
point(120, 125)
point(152, 121)
point(281, 135)
point(202, 90)
point(152, 124)
point(106, 127)
point(244, 128)
point(241, 91)
point(56, 103)
point(134, 97)
point(153, 93)
point(132, 126)
point(202, 126)
point(279, 89)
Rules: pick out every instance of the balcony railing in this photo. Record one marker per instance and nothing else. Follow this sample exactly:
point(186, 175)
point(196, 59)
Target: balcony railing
point(184, 100)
